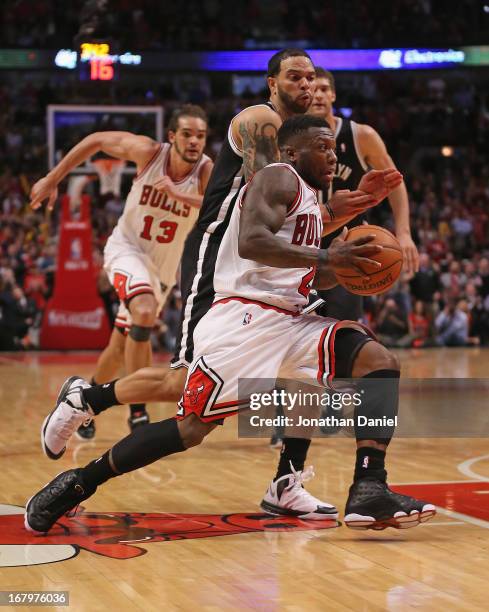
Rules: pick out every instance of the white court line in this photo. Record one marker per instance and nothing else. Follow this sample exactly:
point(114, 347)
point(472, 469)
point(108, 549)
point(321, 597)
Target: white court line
point(425, 482)
point(431, 524)
point(466, 468)
point(463, 517)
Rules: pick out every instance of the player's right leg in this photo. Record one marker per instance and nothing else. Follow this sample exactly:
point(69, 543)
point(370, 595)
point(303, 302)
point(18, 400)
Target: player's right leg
point(141, 447)
point(138, 353)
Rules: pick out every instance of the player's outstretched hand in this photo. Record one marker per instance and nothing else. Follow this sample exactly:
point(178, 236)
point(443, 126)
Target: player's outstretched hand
point(354, 253)
point(44, 189)
point(166, 185)
point(346, 204)
point(380, 183)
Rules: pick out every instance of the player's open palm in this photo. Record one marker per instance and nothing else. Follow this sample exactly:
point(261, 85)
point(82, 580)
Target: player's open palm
point(346, 204)
point(44, 189)
point(380, 183)
point(354, 254)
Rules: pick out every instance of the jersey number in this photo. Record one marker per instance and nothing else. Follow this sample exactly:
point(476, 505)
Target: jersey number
point(305, 286)
point(169, 228)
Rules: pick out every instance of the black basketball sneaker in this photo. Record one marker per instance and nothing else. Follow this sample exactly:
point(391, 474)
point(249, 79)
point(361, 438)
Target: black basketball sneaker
point(372, 505)
point(58, 497)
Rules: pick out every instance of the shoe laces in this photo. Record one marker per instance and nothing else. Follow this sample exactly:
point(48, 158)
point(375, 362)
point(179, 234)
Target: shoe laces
point(71, 421)
point(301, 476)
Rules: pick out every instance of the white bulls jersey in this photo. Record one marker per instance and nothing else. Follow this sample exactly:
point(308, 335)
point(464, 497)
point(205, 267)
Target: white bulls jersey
point(286, 288)
point(154, 223)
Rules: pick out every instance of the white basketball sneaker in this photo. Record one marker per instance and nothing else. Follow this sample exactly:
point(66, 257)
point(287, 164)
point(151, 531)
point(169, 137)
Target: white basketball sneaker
point(70, 412)
point(287, 496)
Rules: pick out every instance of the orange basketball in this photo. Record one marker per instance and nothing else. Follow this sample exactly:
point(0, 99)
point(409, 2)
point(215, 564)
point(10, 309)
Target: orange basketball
point(380, 279)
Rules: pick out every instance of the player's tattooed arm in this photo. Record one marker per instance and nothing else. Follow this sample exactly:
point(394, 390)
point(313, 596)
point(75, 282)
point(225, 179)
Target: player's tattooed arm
point(259, 145)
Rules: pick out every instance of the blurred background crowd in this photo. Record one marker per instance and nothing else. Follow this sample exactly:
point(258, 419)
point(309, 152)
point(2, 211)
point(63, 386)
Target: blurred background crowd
point(220, 24)
point(435, 126)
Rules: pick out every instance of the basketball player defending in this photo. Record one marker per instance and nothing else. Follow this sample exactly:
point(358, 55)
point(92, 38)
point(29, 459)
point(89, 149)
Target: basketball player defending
point(268, 260)
point(250, 145)
point(142, 255)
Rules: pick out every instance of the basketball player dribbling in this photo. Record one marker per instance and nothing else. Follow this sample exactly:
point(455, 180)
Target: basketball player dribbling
point(359, 148)
point(251, 144)
point(266, 264)
point(143, 252)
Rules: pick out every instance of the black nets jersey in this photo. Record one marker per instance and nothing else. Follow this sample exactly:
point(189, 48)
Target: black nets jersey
point(349, 169)
point(226, 180)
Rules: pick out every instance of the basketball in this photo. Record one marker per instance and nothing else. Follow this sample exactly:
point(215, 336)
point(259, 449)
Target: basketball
point(380, 279)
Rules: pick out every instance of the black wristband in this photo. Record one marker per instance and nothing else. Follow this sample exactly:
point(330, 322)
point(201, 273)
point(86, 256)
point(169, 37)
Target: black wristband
point(330, 211)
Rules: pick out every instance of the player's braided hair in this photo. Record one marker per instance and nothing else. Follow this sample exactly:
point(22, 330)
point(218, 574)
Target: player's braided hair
point(297, 125)
point(187, 110)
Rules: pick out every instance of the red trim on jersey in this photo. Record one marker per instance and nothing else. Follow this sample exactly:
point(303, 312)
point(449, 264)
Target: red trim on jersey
point(150, 163)
point(206, 163)
point(129, 296)
point(138, 285)
point(217, 417)
point(263, 305)
point(331, 355)
point(295, 204)
point(346, 324)
point(321, 363)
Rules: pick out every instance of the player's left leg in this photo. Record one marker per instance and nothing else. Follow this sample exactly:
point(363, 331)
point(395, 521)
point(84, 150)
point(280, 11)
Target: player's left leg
point(141, 447)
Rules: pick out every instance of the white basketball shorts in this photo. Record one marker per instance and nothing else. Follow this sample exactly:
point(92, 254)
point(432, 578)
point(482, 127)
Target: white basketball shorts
point(131, 273)
point(239, 338)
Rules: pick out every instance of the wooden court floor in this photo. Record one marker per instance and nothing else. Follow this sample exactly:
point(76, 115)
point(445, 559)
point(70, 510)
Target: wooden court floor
point(187, 534)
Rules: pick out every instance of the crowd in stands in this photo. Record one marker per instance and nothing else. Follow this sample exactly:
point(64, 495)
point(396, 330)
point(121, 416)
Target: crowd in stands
point(220, 24)
point(445, 303)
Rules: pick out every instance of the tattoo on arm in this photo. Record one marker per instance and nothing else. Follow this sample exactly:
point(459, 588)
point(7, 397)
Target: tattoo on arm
point(259, 146)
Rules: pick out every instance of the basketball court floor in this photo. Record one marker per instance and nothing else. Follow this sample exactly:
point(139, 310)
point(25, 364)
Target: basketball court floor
point(187, 533)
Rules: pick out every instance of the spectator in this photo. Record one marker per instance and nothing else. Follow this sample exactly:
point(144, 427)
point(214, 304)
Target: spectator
point(419, 328)
point(452, 325)
point(391, 323)
point(426, 282)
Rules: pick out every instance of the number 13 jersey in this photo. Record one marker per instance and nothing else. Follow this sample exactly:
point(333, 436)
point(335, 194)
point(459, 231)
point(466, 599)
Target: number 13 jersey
point(155, 223)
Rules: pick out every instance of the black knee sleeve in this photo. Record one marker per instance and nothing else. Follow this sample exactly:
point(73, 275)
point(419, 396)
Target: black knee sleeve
point(140, 333)
point(348, 342)
point(145, 445)
point(375, 417)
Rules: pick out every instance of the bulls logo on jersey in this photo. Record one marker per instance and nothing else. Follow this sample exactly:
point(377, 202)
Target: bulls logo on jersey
point(193, 394)
point(201, 391)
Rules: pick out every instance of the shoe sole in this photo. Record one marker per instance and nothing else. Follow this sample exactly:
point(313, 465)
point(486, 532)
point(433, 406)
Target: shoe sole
point(401, 521)
point(46, 450)
point(315, 516)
